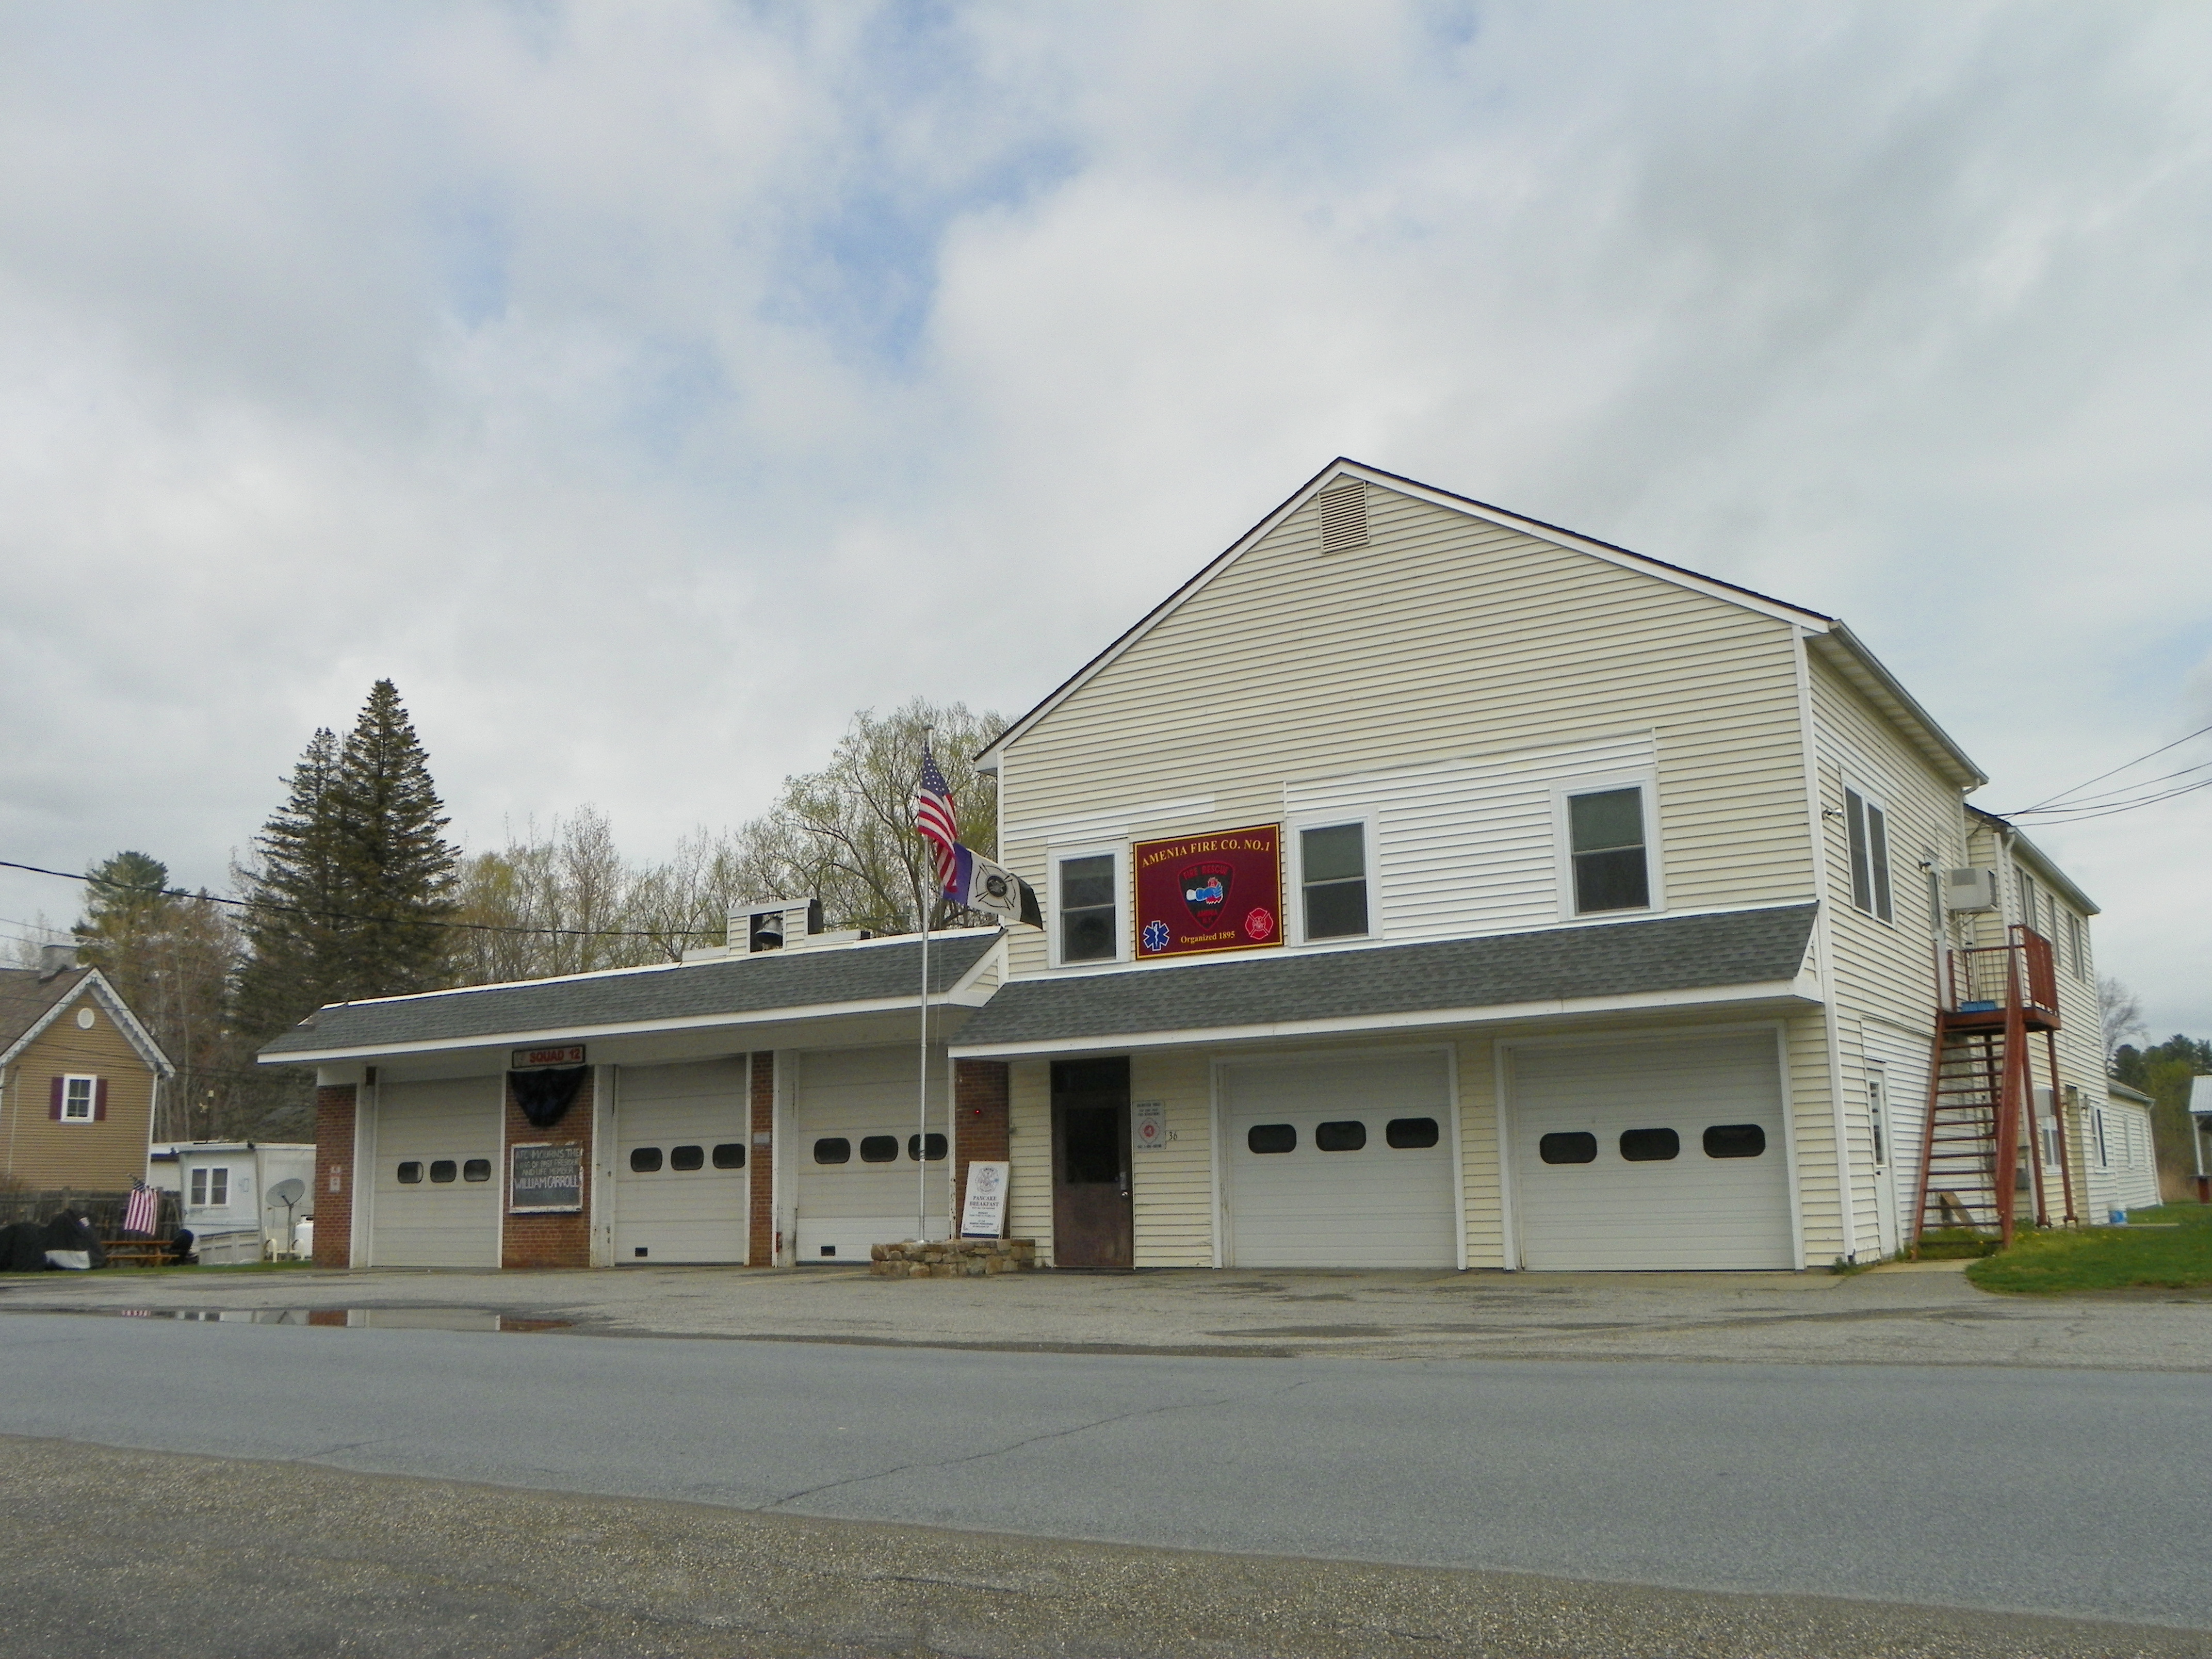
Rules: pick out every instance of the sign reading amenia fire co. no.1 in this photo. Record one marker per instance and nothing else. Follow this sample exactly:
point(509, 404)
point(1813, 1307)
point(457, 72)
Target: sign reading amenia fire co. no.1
point(1219, 892)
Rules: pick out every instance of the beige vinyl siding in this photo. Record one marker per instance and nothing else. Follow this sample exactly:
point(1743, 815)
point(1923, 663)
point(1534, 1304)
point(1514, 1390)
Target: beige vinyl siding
point(1028, 1148)
point(1479, 1152)
point(1172, 1187)
point(1882, 972)
point(102, 1157)
point(1813, 1123)
point(1448, 637)
point(1433, 825)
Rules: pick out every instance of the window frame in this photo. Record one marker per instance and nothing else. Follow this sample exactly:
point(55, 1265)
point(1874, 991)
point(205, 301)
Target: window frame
point(205, 1191)
point(1293, 834)
point(91, 1112)
point(1644, 779)
point(1119, 851)
point(1882, 884)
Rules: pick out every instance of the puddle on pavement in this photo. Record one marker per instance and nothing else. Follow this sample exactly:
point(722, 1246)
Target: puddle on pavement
point(384, 1319)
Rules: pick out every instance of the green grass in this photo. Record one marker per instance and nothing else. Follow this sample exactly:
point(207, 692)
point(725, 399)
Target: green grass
point(2143, 1254)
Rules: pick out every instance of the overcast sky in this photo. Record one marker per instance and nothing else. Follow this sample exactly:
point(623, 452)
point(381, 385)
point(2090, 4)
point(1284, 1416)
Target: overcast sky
point(645, 388)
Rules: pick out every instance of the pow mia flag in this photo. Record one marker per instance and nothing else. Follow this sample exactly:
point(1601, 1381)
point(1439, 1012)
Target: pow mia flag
point(980, 884)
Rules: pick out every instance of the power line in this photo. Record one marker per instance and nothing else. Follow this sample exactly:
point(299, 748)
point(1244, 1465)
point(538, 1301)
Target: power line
point(2062, 815)
point(108, 886)
point(2049, 801)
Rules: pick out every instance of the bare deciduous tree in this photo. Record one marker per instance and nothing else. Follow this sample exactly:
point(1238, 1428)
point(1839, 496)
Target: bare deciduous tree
point(2120, 1011)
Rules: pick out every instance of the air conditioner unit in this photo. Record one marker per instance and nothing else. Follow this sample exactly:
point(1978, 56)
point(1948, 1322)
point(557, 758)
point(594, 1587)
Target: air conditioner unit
point(1970, 889)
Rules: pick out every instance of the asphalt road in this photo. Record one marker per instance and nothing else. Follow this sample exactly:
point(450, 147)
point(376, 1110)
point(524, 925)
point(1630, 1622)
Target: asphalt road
point(2072, 1493)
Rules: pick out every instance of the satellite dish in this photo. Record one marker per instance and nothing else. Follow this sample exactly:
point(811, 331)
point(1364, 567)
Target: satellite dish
point(288, 1193)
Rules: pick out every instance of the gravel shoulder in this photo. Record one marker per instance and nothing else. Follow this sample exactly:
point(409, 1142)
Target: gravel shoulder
point(234, 1559)
point(1922, 1314)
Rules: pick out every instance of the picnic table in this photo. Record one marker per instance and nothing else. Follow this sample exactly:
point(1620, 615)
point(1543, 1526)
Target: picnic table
point(138, 1252)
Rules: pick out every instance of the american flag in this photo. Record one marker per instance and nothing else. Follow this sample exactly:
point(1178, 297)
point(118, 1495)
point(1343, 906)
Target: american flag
point(933, 819)
point(138, 1212)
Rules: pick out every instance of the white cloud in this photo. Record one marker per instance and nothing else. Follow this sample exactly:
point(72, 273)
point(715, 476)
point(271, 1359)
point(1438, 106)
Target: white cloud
point(644, 388)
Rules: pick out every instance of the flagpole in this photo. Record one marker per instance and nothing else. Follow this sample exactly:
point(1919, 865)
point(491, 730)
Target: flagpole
point(924, 897)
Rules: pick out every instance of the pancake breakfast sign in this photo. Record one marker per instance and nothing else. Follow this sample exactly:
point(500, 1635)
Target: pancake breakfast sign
point(1219, 891)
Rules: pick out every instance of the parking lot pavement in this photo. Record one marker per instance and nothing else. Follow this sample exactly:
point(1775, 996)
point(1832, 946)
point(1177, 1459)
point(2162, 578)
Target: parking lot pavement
point(1929, 1315)
point(125, 1552)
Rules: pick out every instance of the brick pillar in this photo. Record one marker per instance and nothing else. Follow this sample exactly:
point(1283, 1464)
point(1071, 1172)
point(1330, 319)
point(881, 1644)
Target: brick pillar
point(978, 1101)
point(334, 1176)
point(760, 1160)
point(549, 1241)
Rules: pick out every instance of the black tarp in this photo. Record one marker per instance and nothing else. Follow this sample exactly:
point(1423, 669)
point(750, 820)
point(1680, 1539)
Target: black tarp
point(544, 1096)
point(23, 1246)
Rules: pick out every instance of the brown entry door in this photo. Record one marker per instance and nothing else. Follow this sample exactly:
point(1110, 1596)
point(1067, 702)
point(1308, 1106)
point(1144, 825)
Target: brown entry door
point(1092, 1221)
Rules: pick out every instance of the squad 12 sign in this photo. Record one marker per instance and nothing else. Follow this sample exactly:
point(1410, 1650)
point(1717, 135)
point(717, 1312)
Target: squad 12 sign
point(1219, 892)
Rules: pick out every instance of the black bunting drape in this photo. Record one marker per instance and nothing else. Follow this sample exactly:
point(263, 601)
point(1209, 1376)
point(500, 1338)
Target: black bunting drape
point(544, 1096)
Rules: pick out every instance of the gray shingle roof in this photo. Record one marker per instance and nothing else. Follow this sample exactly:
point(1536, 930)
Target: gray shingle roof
point(703, 991)
point(1674, 953)
point(25, 998)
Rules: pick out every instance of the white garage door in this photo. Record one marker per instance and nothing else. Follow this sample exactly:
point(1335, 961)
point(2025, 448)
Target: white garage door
point(437, 1174)
point(680, 1183)
point(853, 1112)
point(1340, 1163)
point(1653, 1153)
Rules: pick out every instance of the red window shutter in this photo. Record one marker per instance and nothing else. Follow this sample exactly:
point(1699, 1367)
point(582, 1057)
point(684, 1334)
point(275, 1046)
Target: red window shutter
point(99, 1101)
point(54, 1102)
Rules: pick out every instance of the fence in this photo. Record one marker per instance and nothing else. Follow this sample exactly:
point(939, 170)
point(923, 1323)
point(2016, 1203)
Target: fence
point(103, 1210)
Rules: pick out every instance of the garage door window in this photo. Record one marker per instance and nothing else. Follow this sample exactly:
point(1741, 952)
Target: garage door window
point(1568, 1146)
point(1266, 1137)
point(687, 1158)
point(833, 1149)
point(1734, 1140)
point(730, 1155)
point(477, 1169)
point(1411, 1133)
point(1650, 1146)
point(878, 1149)
point(929, 1147)
point(1346, 1137)
point(409, 1173)
point(444, 1169)
point(644, 1160)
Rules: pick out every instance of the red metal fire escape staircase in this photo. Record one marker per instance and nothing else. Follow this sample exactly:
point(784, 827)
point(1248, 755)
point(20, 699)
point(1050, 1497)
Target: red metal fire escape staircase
point(1990, 999)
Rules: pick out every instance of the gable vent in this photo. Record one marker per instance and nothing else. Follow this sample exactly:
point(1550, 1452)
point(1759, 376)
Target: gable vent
point(1343, 517)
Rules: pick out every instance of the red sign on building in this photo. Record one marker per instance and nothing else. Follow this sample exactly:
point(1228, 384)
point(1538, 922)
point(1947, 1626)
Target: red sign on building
point(1219, 891)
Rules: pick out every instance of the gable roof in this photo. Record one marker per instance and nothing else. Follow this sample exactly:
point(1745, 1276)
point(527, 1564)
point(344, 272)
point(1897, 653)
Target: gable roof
point(730, 990)
point(1444, 982)
point(1859, 664)
point(30, 1004)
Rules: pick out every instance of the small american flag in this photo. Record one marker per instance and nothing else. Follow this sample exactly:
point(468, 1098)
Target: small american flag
point(933, 819)
point(138, 1212)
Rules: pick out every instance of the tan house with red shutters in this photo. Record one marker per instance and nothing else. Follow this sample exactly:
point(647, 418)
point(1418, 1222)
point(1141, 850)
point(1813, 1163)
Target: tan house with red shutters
point(79, 1079)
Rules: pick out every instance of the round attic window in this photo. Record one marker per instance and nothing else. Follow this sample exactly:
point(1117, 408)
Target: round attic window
point(84, 1019)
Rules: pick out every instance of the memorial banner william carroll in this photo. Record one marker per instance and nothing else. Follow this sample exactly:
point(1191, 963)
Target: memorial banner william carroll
point(1221, 891)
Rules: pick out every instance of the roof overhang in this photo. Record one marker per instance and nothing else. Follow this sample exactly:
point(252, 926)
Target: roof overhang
point(94, 984)
point(2039, 860)
point(1845, 652)
point(1773, 996)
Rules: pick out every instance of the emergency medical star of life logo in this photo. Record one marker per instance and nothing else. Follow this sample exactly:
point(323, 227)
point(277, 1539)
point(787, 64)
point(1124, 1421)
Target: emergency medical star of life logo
point(1206, 887)
point(1156, 936)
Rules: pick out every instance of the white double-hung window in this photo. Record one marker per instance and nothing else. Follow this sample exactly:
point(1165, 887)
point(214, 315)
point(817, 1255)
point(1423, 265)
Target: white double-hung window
point(1087, 902)
point(1609, 852)
point(210, 1188)
point(1333, 897)
point(1866, 826)
point(79, 1099)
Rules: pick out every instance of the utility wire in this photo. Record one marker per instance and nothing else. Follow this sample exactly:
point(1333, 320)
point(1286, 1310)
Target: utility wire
point(2061, 816)
point(106, 886)
point(2049, 801)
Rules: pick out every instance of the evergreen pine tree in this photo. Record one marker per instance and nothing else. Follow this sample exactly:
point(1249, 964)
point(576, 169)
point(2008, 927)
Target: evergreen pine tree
point(397, 872)
point(354, 876)
point(292, 942)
